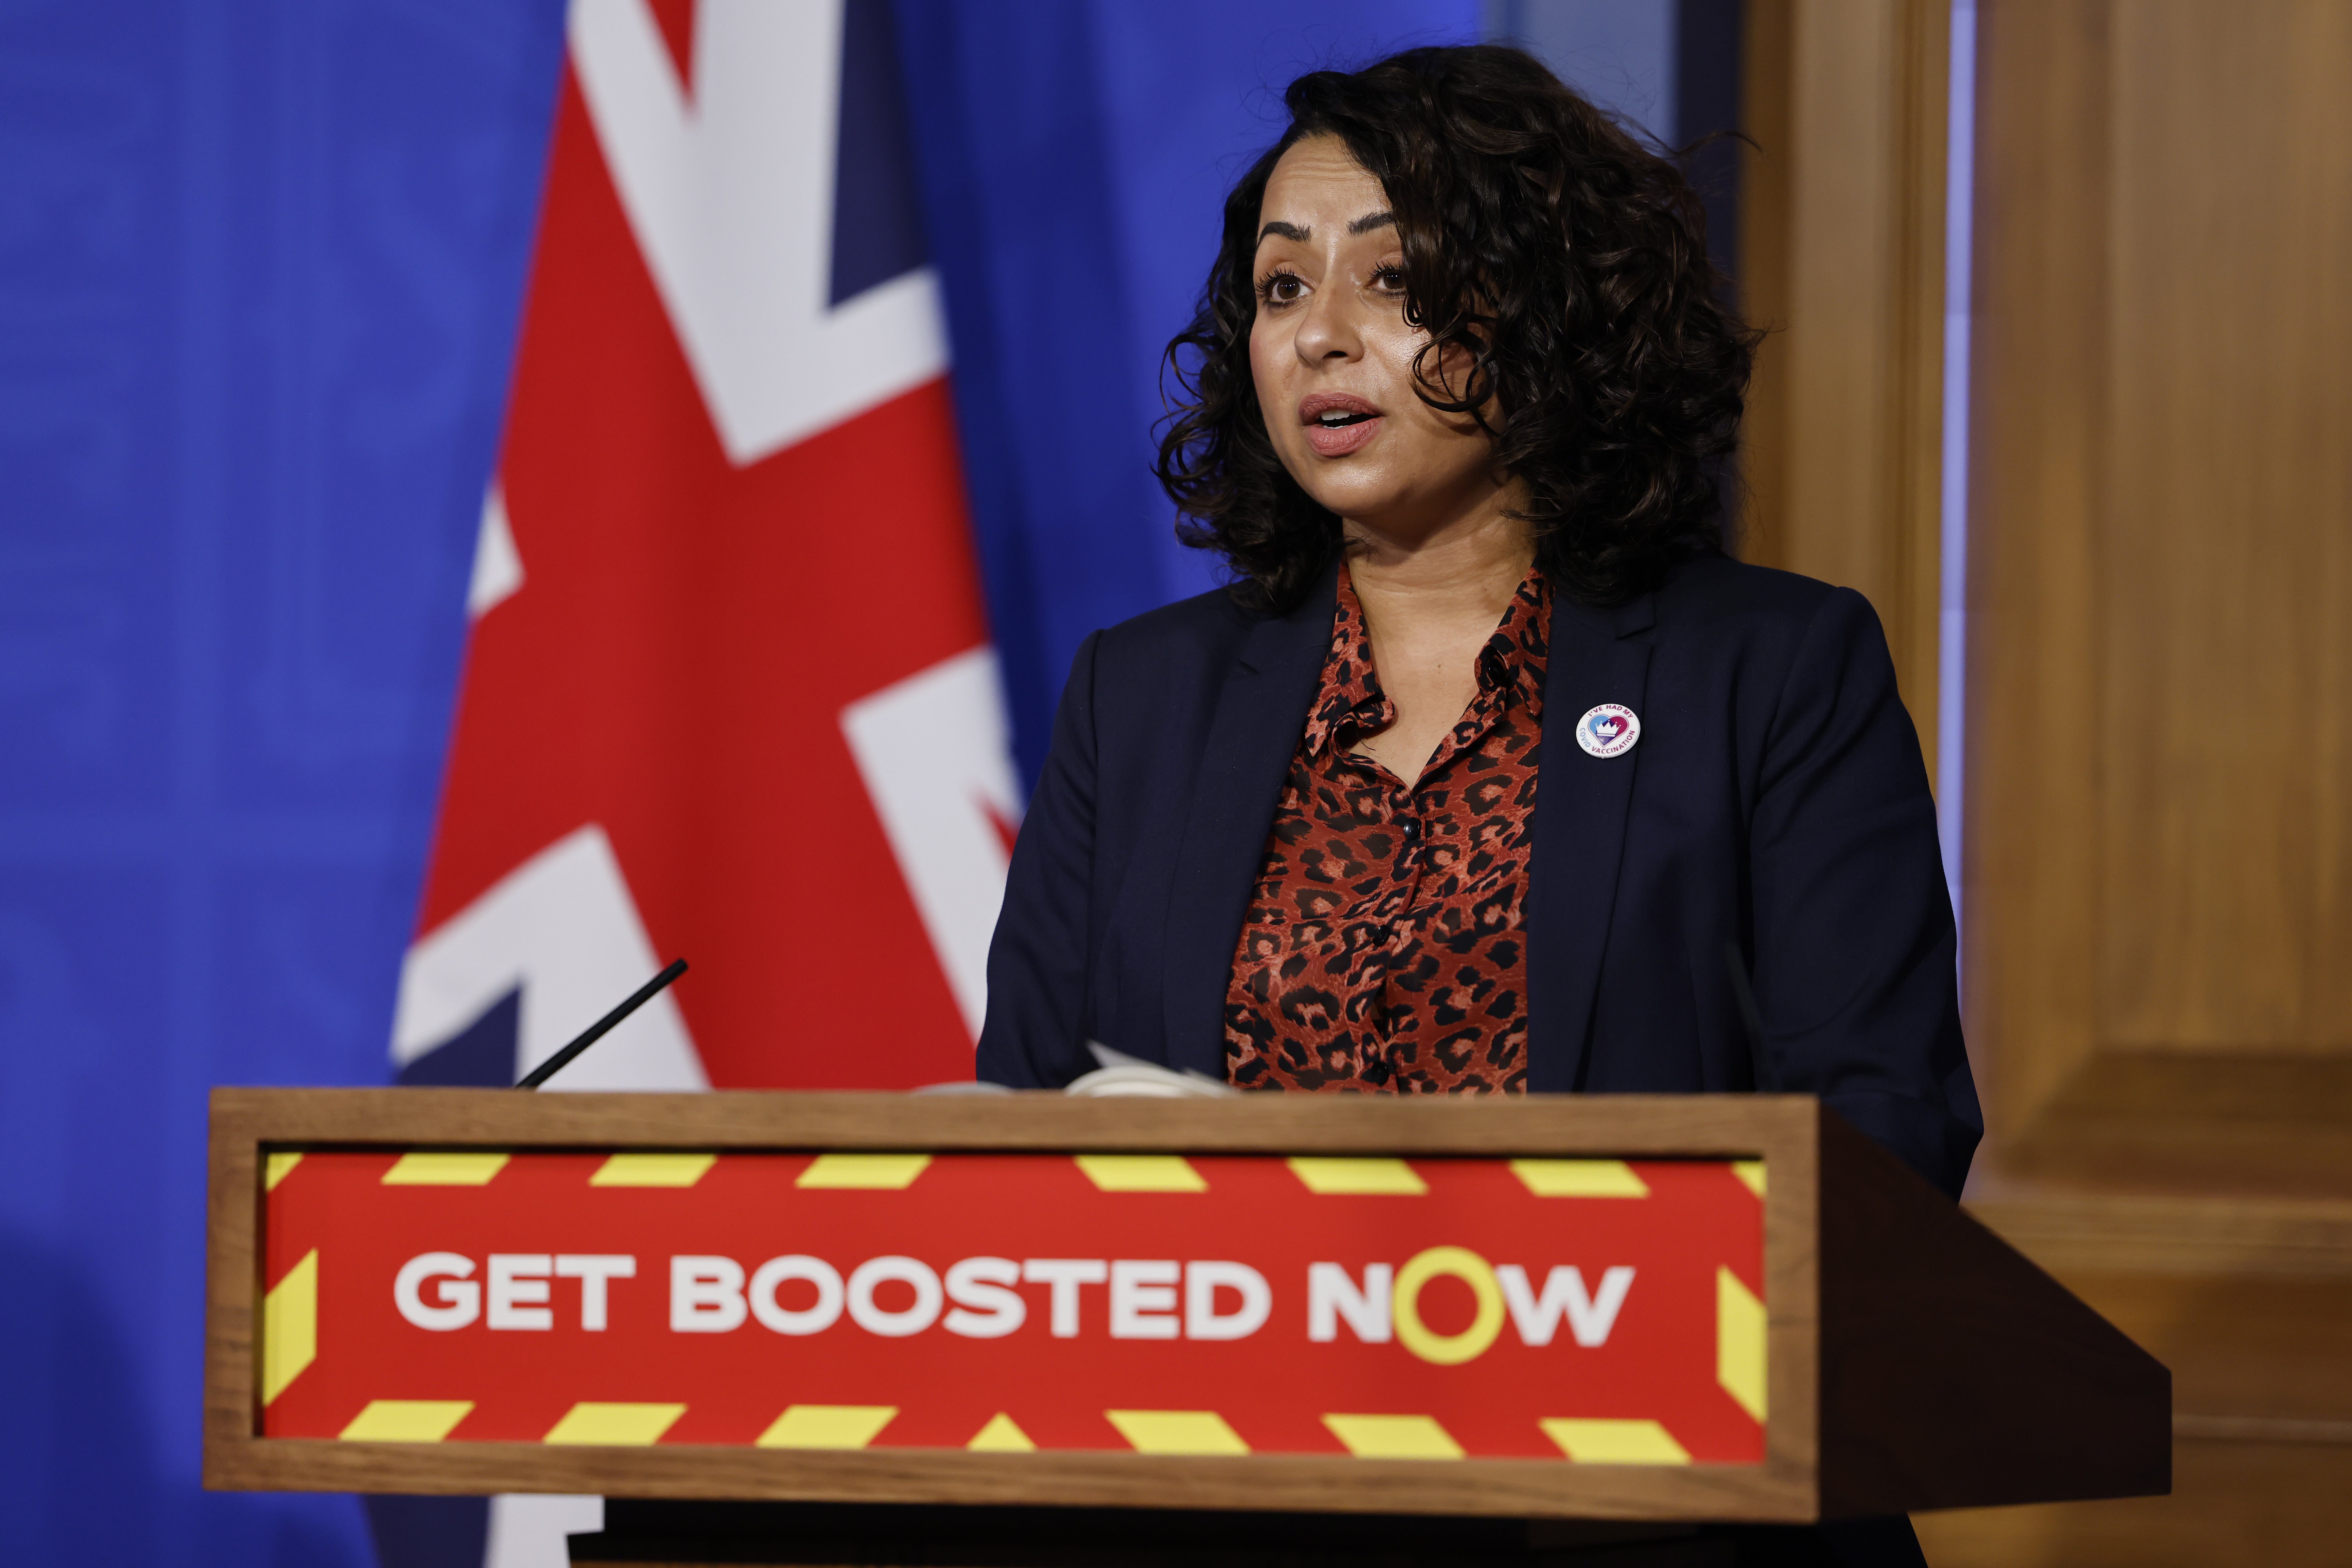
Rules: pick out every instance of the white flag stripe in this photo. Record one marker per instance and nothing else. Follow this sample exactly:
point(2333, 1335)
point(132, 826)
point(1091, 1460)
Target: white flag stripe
point(498, 565)
point(528, 1530)
point(932, 749)
point(729, 191)
point(562, 927)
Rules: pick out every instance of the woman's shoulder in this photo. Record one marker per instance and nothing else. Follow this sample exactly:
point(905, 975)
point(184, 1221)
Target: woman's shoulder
point(1177, 642)
point(1718, 589)
point(1204, 616)
point(1771, 641)
point(1760, 610)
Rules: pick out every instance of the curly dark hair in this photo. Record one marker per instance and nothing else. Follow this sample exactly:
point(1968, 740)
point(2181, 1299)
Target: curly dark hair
point(1564, 259)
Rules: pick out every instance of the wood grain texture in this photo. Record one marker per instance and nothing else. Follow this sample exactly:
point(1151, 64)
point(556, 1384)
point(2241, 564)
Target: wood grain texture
point(2281, 1505)
point(2037, 397)
point(1841, 248)
point(233, 1284)
point(1773, 1126)
point(2158, 897)
point(1782, 1129)
point(2249, 1303)
point(1508, 1488)
point(2161, 881)
point(1792, 1309)
point(2225, 673)
point(2108, 1234)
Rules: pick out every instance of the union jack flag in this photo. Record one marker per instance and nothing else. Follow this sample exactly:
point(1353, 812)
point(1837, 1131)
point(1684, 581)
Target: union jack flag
point(728, 690)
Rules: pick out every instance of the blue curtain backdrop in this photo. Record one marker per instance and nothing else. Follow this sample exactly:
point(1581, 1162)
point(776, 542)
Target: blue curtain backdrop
point(260, 265)
point(1074, 156)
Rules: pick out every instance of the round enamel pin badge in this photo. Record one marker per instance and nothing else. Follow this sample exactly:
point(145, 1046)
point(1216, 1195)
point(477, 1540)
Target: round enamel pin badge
point(1609, 730)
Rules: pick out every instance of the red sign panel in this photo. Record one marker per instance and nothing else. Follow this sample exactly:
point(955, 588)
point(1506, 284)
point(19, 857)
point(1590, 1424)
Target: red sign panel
point(1592, 1310)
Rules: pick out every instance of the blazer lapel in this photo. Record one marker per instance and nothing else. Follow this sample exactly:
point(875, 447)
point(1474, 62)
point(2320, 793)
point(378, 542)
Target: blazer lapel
point(1582, 801)
point(1261, 712)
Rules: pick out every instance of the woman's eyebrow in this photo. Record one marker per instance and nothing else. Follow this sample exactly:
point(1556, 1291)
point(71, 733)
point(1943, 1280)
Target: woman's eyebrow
point(1293, 232)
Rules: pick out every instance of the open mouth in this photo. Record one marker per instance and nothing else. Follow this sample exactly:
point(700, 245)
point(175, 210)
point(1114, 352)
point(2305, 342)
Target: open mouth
point(1338, 424)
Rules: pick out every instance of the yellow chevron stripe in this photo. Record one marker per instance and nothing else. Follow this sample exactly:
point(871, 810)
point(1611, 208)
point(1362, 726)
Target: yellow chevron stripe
point(1176, 1432)
point(1591, 1442)
point(1740, 1342)
point(1000, 1436)
point(827, 1426)
point(1141, 1173)
point(652, 1170)
point(289, 1327)
point(1394, 1436)
point(1580, 1179)
point(276, 1167)
point(593, 1423)
point(445, 1169)
point(1329, 1177)
point(1750, 1173)
point(406, 1420)
point(877, 1173)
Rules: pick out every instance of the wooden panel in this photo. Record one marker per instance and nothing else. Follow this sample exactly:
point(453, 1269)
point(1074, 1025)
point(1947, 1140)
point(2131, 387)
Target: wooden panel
point(2250, 1301)
point(2226, 539)
point(2283, 1505)
point(2161, 794)
point(2079, 1234)
point(1841, 258)
point(2038, 387)
point(2250, 1304)
point(2160, 879)
point(2158, 802)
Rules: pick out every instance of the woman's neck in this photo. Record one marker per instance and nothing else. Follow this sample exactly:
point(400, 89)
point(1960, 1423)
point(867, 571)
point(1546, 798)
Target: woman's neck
point(1463, 569)
point(1431, 601)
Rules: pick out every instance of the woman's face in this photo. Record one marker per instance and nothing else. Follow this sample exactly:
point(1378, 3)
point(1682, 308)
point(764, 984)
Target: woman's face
point(1333, 357)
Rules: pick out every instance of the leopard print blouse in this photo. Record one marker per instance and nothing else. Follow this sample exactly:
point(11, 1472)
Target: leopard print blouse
point(1381, 951)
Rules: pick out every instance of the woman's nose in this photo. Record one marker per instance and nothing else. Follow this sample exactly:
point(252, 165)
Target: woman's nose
point(1330, 330)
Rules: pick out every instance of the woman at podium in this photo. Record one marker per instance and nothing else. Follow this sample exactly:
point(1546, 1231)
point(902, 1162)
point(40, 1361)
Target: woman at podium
point(1490, 772)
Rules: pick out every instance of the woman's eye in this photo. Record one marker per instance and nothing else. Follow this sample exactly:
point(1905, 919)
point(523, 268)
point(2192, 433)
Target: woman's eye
point(1281, 288)
point(1389, 280)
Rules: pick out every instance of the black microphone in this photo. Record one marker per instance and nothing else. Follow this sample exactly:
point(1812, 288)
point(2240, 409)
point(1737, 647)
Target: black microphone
point(604, 1025)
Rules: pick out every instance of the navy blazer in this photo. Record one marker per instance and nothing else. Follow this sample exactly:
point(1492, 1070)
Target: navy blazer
point(1776, 799)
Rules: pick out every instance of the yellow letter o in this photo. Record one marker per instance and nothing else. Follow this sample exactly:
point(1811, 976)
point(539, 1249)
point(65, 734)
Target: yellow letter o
point(1446, 1350)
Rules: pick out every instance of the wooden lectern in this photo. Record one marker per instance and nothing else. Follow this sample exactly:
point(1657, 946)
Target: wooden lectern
point(1057, 1330)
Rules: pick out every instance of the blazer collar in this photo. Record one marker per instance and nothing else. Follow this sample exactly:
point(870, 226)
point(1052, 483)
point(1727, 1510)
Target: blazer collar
point(1261, 712)
point(1582, 804)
